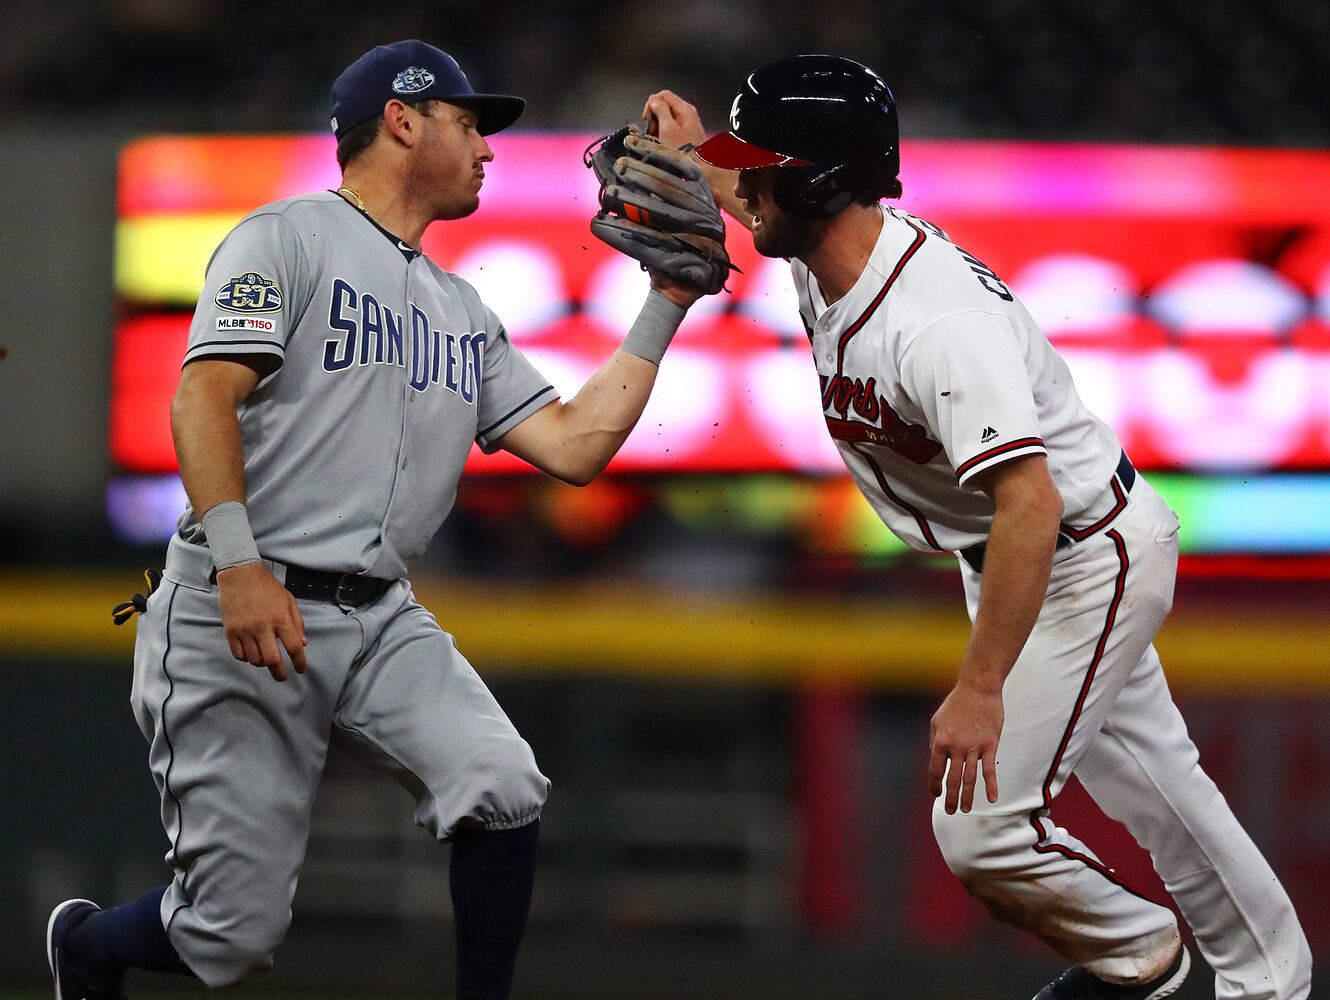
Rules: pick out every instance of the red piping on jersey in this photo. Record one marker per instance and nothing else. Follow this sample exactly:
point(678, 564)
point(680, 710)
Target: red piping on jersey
point(858, 324)
point(1002, 449)
point(1119, 495)
point(857, 430)
point(907, 440)
point(925, 528)
point(1110, 618)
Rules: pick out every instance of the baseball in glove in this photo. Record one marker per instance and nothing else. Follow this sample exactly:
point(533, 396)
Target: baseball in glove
point(656, 207)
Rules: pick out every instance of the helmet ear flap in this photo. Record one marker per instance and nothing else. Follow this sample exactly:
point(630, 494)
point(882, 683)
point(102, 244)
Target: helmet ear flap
point(819, 190)
point(836, 202)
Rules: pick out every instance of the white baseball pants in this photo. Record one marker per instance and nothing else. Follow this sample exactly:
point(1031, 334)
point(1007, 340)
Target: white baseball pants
point(1088, 696)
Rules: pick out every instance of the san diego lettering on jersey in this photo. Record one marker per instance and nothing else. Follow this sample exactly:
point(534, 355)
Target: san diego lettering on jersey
point(373, 334)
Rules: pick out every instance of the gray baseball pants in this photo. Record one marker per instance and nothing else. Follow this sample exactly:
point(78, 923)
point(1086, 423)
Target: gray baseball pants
point(237, 757)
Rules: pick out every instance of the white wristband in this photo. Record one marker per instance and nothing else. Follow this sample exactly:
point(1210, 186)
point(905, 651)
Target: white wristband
point(654, 328)
point(227, 530)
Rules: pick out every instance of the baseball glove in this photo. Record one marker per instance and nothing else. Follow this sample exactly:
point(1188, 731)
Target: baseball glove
point(656, 207)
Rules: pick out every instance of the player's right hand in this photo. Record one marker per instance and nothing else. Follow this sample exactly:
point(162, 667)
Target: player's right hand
point(261, 618)
point(677, 121)
point(963, 742)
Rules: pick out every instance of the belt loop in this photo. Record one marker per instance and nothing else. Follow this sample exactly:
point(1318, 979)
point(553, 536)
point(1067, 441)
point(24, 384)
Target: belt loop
point(343, 582)
point(278, 570)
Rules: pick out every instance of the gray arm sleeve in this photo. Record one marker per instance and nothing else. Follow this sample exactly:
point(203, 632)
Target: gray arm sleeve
point(655, 326)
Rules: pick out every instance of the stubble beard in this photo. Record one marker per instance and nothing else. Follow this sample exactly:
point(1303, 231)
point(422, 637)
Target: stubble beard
point(784, 235)
point(458, 207)
point(449, 196)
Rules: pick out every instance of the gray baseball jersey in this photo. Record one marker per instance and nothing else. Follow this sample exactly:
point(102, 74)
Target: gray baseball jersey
point(390, 368)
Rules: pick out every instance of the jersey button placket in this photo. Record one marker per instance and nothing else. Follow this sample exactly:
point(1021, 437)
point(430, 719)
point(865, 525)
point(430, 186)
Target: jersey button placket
point(411, 396)
point(822, 342)
point(408, 396)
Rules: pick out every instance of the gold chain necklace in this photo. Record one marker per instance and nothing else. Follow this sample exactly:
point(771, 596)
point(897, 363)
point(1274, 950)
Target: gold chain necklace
point(356, 200)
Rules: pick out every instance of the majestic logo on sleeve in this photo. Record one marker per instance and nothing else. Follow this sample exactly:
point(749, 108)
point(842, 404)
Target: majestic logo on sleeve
point(250, 292)
point(880, 424)
point(413, 80)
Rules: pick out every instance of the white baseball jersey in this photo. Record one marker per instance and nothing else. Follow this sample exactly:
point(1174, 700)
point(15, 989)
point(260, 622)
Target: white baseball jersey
point(932, 372)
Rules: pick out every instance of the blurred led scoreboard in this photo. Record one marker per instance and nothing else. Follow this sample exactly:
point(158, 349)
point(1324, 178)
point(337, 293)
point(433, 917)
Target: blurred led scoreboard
point(1188, 289)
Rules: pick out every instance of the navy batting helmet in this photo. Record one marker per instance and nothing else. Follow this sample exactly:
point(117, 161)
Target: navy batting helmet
point(827, 121)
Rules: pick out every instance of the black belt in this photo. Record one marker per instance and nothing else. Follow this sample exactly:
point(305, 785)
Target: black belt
point(348, 589)
point(1126, 475)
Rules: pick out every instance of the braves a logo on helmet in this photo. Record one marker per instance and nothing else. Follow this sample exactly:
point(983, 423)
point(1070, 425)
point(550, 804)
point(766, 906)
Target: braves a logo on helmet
point(413, 80)
point(250, 292)
point(734, 113)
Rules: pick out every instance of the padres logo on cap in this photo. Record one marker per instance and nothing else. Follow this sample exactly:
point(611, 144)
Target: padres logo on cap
point(413, 80)
point(250, 292)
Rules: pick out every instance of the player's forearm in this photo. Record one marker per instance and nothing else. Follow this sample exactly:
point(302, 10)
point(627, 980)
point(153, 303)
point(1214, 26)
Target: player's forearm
point(594, 424)
point(1017, 563)
point(207, 444)
point(574, 441)
point(597, 421)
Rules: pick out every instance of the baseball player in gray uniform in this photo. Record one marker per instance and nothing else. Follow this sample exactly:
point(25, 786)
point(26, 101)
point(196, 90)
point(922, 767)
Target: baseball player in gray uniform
point(334, 382)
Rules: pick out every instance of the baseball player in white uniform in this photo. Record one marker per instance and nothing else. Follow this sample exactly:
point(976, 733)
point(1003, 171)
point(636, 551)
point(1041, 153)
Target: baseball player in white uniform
point(334, 384)
point(963, 429)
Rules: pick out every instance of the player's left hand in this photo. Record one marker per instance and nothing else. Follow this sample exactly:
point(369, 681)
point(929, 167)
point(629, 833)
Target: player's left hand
point(964, 734)
point(658, 208)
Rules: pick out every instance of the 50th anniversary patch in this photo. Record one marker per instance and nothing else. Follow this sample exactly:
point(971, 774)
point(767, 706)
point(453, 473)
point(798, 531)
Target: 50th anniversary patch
point(250, 292)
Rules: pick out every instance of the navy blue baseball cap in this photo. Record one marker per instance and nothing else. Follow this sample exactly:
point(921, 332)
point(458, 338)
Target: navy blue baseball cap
point(412, 71)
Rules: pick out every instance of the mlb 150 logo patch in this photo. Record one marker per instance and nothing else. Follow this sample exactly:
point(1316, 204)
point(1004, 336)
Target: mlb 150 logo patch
point(250, 292)
point(254, 324)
